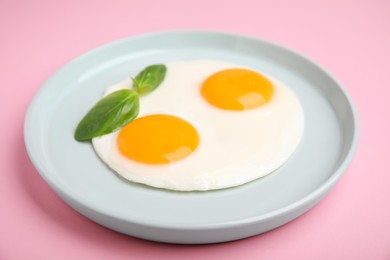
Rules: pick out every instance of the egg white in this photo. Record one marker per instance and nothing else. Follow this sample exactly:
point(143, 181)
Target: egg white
point(235, 147)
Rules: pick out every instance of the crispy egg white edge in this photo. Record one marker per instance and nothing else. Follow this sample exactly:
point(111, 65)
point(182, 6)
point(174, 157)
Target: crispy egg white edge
point(176, 176)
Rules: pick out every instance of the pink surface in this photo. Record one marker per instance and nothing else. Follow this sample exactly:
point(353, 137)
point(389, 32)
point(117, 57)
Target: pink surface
point(350, 38)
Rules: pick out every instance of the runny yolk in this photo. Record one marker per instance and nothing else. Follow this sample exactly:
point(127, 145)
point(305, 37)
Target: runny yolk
point(237, 89)
point(157, 139)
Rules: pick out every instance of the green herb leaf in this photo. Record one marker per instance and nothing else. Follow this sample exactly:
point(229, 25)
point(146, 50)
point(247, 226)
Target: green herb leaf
point(108, 115)
point(150, 78)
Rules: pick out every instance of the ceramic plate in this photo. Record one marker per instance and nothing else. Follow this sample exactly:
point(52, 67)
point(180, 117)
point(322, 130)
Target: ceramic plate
point(81, 179)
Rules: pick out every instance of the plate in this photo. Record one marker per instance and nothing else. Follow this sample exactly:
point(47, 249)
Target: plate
point(77, 175)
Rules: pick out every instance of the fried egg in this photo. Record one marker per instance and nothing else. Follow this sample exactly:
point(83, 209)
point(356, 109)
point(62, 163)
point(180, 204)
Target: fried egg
point(199, 131)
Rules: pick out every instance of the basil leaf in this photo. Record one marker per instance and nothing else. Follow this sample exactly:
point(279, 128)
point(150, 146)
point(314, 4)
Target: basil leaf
point(150, 78)
point(109, 114)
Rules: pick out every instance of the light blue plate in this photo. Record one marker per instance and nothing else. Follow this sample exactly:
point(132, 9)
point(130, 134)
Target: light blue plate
point(75, 173)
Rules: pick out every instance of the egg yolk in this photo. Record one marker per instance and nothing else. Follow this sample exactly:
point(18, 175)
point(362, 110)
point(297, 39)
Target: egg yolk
point(237, 89)
point(157, 139)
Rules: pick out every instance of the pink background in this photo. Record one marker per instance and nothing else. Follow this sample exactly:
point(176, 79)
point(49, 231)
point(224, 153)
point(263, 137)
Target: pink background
point(350, 38)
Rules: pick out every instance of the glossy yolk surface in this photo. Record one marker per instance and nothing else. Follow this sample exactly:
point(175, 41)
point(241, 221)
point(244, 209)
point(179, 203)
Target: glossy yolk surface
point(237, 89)
point(157, 139)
